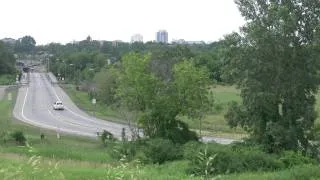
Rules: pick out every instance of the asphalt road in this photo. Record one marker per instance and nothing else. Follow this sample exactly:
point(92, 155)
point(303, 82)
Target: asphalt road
point(34, 106)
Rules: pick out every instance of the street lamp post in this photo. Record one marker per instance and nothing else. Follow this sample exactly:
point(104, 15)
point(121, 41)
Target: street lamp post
point(73, 71)
point(65, 70)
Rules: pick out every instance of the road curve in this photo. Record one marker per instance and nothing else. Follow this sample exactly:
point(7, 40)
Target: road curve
point(34, 106)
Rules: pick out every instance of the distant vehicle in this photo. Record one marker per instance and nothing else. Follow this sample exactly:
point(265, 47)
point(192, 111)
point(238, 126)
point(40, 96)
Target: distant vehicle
point(25, 69)
point(58, 105)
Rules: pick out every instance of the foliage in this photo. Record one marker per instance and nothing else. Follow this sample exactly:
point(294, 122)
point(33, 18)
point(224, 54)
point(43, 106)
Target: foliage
point(162, 150)
point(19, 137)
point(7, 60)
point(290, 159)
point(298, 172)
point(127, 150)
point(106, 137)
point(214, 159)
point(204, 164)
point(159, 101)
point(106, 86)
point(7, 79)
point(25, 44)
point(274, 62)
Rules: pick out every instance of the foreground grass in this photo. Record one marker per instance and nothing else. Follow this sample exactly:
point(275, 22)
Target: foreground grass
point(14, 166)
point(299, 172)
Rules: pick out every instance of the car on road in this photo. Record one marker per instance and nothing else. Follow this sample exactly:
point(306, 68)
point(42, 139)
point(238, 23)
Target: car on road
point(58, 105)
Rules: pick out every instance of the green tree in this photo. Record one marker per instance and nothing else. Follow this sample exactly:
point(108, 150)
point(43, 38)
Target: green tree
point(160, 102)
point(25, 44)
point(7, 60)
point(106, 86)
point(275, 63)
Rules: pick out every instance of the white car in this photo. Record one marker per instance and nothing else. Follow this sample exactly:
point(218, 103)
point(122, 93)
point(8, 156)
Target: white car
point(58, 105)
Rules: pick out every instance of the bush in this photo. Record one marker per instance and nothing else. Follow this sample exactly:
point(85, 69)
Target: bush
point(129, 149)
point(19, 137)
point(106, 137)
point(181, 134)
point(190, 148)
point(291, 158)
point(161, 150)
point(228, 159)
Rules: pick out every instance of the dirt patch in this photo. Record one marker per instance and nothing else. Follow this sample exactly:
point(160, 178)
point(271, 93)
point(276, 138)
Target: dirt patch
point(2, 91)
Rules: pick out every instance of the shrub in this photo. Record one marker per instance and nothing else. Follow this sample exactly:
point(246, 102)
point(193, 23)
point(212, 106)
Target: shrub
point(106, 137)
point(19, 137)
point(191, 148)
point(129, 149)
point(181, 134)
point(161, 150)
point(229, 159)
point(291, 158)
point(124, 149)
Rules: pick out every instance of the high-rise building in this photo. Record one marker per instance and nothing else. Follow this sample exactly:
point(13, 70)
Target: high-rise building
point(136, 38)
point(162, 36)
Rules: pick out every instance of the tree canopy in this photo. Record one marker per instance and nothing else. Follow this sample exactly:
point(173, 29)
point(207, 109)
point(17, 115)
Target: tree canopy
point(274, 60)
point(7, 60)
point(25, 44)
point(161, 102)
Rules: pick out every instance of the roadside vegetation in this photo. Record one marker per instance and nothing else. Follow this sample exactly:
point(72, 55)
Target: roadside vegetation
point(176, 93)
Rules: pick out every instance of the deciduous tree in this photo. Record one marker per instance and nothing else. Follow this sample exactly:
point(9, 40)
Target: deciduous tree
point(275, 61)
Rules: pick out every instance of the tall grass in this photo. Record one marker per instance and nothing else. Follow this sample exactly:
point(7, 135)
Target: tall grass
point(21, 167)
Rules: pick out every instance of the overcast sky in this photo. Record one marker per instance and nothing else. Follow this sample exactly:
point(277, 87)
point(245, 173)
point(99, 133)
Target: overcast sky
point(66, 20)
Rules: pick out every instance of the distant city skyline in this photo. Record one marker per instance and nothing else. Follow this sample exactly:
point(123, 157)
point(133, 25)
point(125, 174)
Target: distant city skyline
point(137, 38)
point(63, 21)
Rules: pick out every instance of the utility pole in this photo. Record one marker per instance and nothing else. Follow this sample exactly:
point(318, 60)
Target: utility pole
point(48, 62)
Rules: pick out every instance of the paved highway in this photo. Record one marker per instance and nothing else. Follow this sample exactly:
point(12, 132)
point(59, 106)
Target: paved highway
point(34, 106)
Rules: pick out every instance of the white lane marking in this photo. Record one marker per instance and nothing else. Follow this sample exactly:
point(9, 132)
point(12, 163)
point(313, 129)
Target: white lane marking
point(25, 119)
point(83, 117)
point(71, 123)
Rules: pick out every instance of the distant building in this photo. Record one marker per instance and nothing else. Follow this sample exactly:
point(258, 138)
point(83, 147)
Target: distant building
point(162, 36)
point(178, 41)
point(136, 38)
point(195, 42)
point(182, 41)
